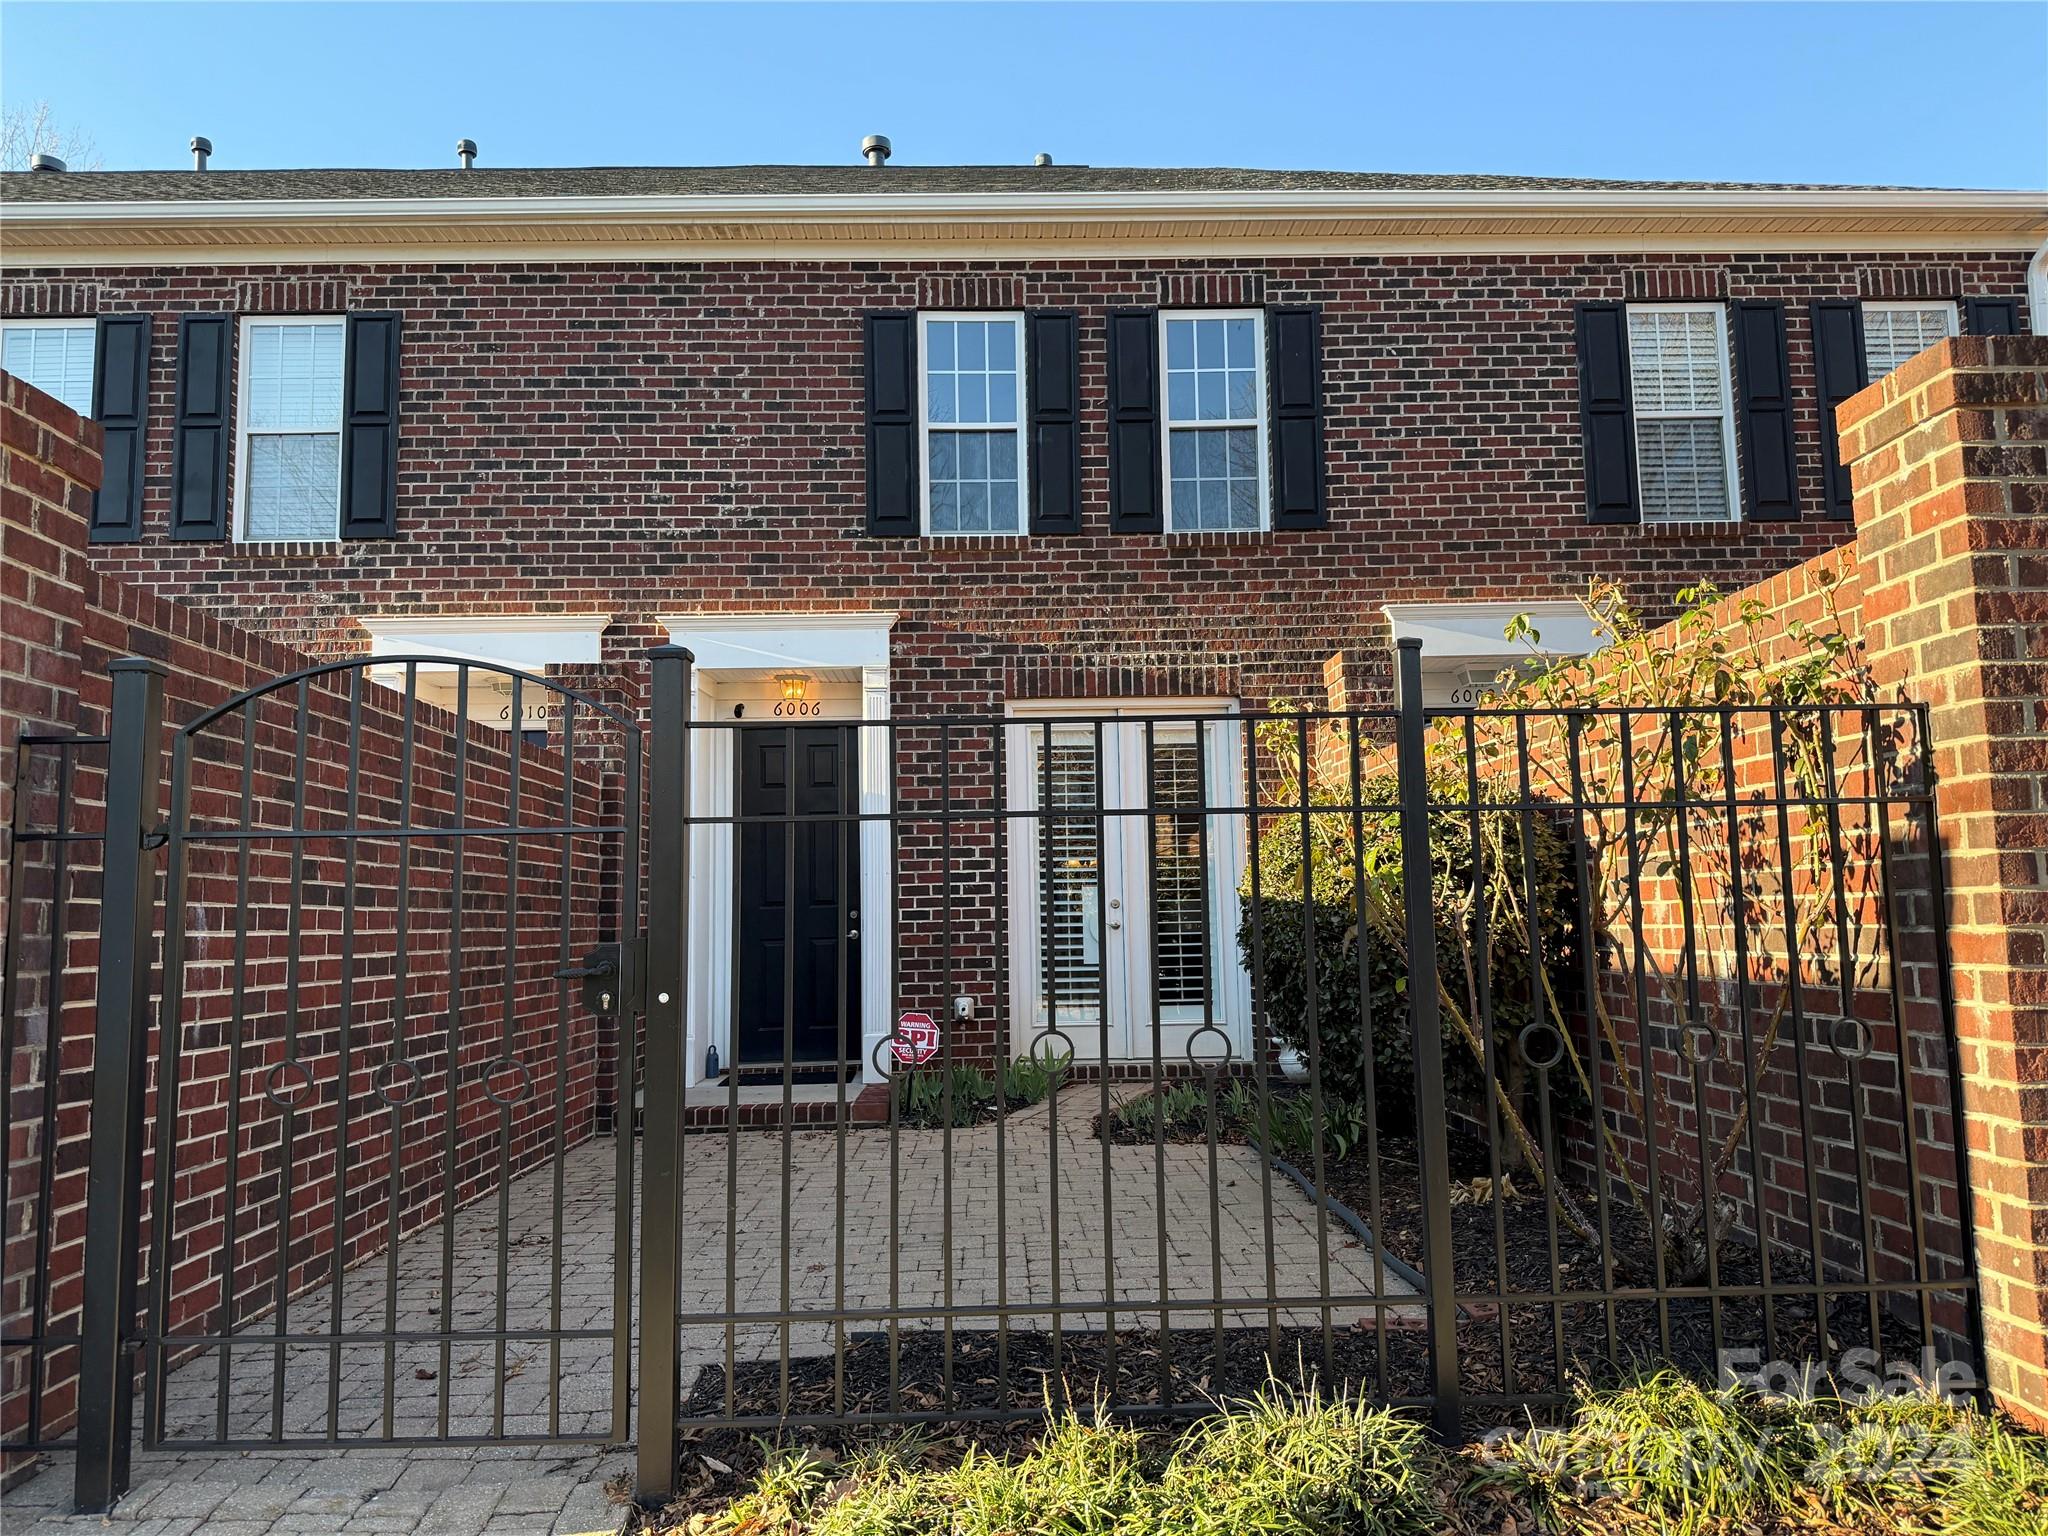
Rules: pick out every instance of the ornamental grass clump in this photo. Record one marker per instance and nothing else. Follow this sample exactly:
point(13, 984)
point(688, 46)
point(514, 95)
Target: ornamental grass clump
point(1298, 1463)
point(1670, 1455)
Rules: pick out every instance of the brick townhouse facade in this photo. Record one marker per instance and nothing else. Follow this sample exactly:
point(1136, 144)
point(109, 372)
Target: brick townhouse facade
point(894, 442)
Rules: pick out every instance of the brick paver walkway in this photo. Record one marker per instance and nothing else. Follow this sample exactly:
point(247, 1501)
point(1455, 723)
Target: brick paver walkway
point(472, 1490)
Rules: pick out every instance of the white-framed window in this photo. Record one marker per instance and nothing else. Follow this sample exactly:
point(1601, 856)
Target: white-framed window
point(1214, 362)
point(1896, 329)
point(971, 417)
point(288, 428)
point(1684, 411)
point(53, 355)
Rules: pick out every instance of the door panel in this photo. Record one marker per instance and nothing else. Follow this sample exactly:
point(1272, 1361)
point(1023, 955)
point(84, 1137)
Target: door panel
point(825, 903)
point(1138, 912)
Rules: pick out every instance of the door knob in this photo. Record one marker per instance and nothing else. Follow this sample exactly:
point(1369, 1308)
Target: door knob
point(1116, 922)
point(853, 933)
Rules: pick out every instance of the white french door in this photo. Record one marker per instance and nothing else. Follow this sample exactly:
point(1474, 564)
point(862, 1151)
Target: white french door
point(1124, 893)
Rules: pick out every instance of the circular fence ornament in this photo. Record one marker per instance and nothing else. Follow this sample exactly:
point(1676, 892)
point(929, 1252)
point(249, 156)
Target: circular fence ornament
point(1849, 1037)
point(1700, 1044)
point(1542, 1047)
point(289, 1085)
point(506, 1081)
point(1210, 1061)
point(396, 1083)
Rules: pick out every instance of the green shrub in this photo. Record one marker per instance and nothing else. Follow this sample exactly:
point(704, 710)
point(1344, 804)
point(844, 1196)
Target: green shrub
point(1297, 1462)
point(1030, 1078)
point(922, 1101)
point(1698, 1459)
point(1182, 1105)
point(1354, 863)
point(1027, 1080)
point(1283, 1464)
point(1291, 1128)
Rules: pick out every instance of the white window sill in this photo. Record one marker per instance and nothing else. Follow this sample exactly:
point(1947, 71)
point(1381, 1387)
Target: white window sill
point(287, 549)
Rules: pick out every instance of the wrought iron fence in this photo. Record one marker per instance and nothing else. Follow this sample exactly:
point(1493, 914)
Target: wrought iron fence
point(1114, 1052)
point(1443, 1055)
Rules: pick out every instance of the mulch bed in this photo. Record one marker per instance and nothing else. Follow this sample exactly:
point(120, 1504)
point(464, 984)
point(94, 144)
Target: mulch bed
point(1508, 1348)
point(1017, 1373)
point(1503, 1248)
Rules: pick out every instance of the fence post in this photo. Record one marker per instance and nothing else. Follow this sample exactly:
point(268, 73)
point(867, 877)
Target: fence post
point(1425, 1019)
point(661, 1139)
point(113, 1212)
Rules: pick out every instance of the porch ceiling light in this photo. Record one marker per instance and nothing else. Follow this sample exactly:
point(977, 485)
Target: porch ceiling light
point(793, 685)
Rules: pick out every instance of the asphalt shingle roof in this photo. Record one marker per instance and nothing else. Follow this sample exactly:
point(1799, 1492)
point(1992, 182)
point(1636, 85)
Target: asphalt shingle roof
point(783, 180)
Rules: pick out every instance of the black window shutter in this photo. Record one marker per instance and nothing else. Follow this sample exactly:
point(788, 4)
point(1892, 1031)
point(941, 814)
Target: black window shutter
point(1992, 317)
point(1605, 420)
point(892, 424)
point(1294, 366)
point(369, 427)
point(1770, 462)
point(1135, 505)
point(1837, 374)
point(201, 429)
point(120, 404)
point(1052, 346)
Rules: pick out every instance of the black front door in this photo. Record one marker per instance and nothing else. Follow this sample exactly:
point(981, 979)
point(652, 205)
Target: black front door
point(794, 912)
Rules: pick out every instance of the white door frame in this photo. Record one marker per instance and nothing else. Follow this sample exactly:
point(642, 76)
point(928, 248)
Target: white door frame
point(1123, 862)
point(729, 645)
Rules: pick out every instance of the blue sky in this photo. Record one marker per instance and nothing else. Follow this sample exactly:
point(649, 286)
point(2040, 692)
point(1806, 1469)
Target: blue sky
point(1737, 92)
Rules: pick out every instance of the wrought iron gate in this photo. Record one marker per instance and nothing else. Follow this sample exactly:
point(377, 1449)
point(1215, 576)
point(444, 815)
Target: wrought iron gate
point(392, 943)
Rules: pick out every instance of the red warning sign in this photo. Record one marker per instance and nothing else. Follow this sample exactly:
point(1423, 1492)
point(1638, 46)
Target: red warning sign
point(916, 1040)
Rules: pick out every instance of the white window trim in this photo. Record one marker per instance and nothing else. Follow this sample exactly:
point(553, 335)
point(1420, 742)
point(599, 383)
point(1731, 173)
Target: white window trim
point(924, 427)
point(1950, 312)
point(1261, 423)
point(240, 517)
point(65, 323)
point(1721, 344)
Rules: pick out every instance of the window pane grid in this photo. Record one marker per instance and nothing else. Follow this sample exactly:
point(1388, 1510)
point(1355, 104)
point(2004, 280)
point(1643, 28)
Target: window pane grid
point(973, 388)
point(57, 359)
point(1213, 413)
point(1678, 380)
point(291, 425)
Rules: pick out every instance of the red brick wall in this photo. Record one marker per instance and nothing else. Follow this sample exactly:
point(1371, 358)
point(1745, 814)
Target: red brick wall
point(291, 971)
point(641, 438)
point(1950, 460)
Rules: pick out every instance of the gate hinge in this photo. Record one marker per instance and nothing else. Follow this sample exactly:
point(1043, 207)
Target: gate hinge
point(157, 837)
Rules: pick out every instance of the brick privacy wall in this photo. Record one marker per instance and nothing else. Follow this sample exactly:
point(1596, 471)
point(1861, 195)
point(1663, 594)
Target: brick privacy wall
point(49, 464)
point(287, 1174)
point(1950, 463)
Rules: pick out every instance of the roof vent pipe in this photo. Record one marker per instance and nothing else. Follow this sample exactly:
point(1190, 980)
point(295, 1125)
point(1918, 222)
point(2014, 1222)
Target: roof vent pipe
point(46, 163)
point(876, 148)
point(201, 148)
point(1041, 159)
point(465, 151)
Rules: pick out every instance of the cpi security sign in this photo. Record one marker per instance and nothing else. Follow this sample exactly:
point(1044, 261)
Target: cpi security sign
point(916, 1040)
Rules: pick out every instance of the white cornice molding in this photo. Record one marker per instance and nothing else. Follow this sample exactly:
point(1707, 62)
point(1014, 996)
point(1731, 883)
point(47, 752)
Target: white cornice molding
point(730, 227)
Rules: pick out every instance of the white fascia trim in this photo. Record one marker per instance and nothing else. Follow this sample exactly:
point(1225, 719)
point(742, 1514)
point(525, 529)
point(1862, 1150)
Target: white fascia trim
point(1476, 630)
point(893, 208)
point(524, 642)
point(723, 642)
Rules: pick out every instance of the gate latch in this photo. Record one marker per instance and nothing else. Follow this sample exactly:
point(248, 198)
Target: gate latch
point(599, 974)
